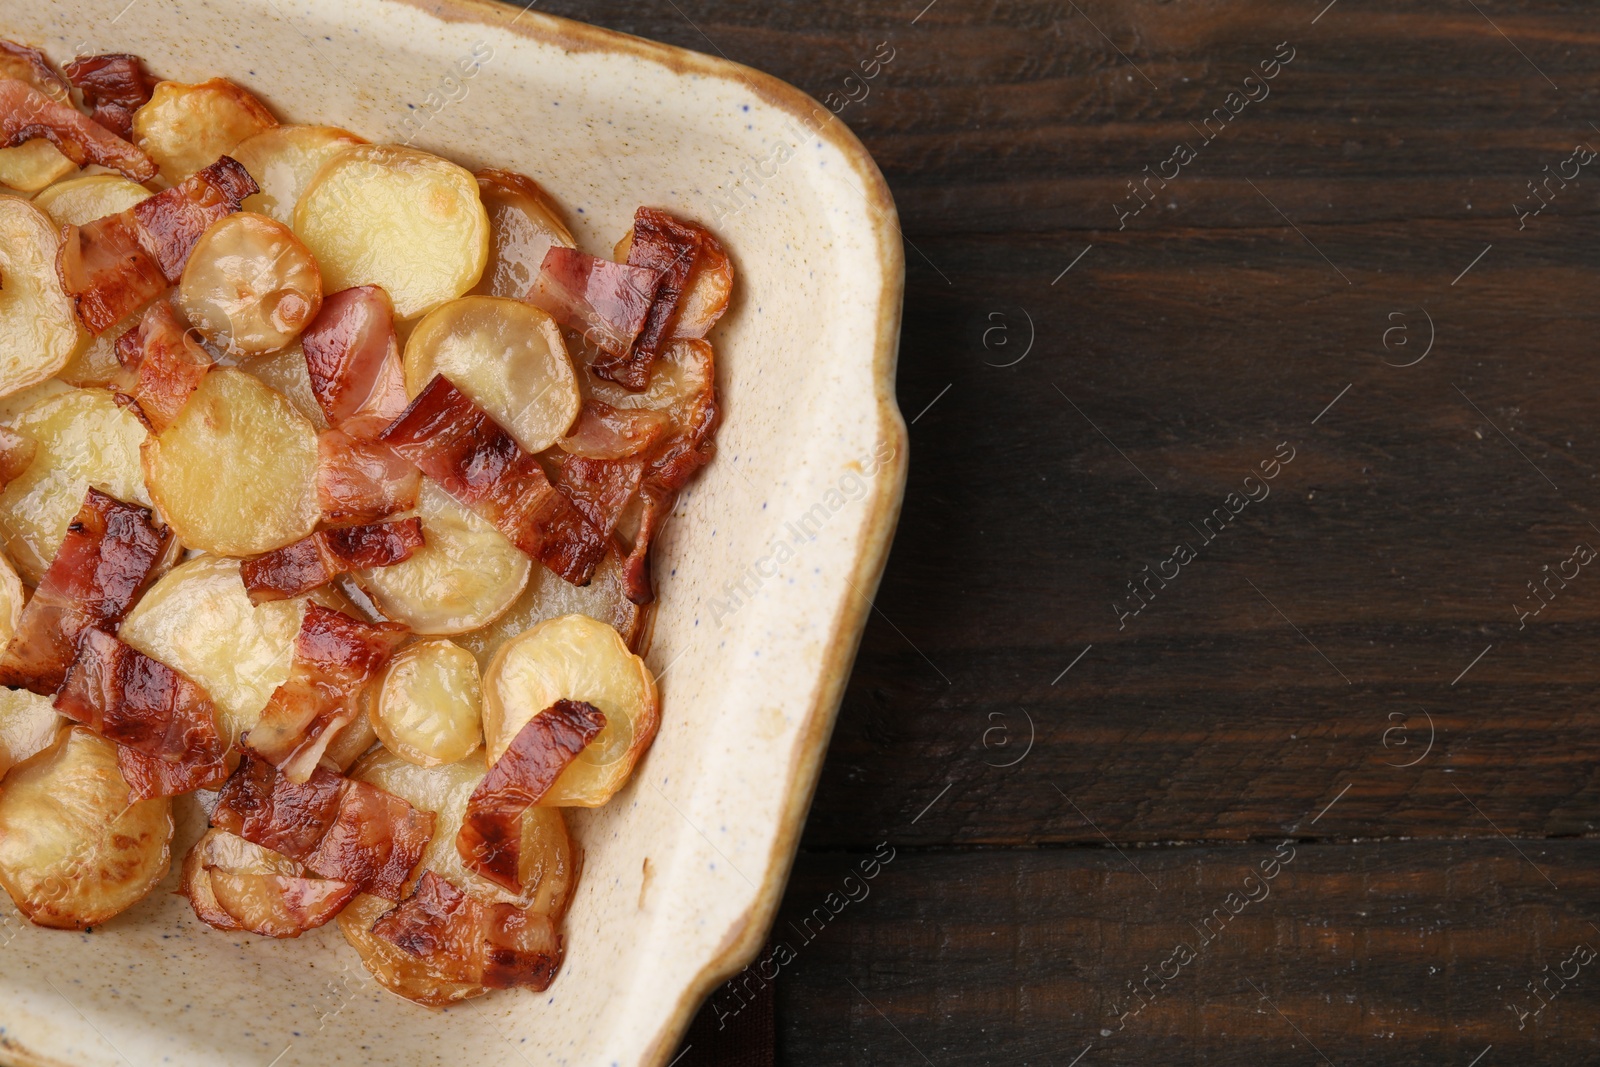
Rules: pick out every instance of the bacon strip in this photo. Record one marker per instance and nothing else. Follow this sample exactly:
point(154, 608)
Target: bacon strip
point(362, 481)
point(334, 656)
point(353, 360)
point(609, 303)
point(606, 432)
point(114, 87)
point(337, 828)
point(165, 725)
point(494, 945)
point(30, 65)
point(490, 839)
point(320, 558)
point(106, 559)
point(16, 454)
point(235, 884)
point(671, 248)
point(458, 445)
point(26, 114)
point(115, 265)
point(164, 363)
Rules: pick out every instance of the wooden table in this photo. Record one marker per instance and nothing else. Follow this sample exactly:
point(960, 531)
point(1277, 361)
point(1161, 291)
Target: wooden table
point(1316, 787)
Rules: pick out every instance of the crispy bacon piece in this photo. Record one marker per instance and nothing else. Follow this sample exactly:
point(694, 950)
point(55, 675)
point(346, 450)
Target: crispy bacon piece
point(494, 945)
point(362, 481)
point(115, 265)
point(31, 65)
point(16, 453)
point(609, 303)
point(114, 87)
point(636, 582)
point(336, 827)
point(27, 113)
point(165, 725)
point(606, 432)
point(320, 558)
point(237, 885)
point(164, 363)
point(490, 839)
point(671, 248)
point(334, 656)
point(353, 359)
point(106, 559)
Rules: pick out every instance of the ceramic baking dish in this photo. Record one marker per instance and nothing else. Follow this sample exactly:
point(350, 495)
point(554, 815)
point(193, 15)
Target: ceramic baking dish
point(763, 574)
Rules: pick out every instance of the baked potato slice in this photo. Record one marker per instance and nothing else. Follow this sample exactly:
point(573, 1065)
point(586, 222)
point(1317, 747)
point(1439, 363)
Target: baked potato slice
point(28, 726)
point(236, 885)
point(185, 128)
point(550, 596)
point(11, 600)
point(395, 969)
point(236, 472)
point(427, 709)
point(575, 658)
point(524, 223)
point(32, 165)
point(286, 372)
point(73, 851)
point(283, 160)
point(250, 285)
point(39, 328)
point(79, 201)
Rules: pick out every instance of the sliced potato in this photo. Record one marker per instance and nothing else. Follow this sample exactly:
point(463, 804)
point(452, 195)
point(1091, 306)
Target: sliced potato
point(549, 864)
point(94, 196)
point(73, 850)
point(11, 601)
point(524, 223)
point(199, 621)
point(574, 657)
point(32, 165)
point(235, 473)
point(394, 968)
point(185, 128)
point(286, 372)
point(428, 701)
point(549, 596)
point(84, 439)
point(250, 285)
point(396, 217)
point(463, 577)
point(95, 364)
point(507, 357)
point(357, 737)
point(39, 328)
point(283, 160)
point(28, 726)
point(237, 885)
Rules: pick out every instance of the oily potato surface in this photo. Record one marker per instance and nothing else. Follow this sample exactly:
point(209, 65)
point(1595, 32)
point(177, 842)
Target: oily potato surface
point(427, 709)
point(524, 224)
point(549, 596)
point(28, 726)
point(94, 196)
point(250, 285)
point(39, 328)
point(32, 165)
point(283, 160)
point(185, 128)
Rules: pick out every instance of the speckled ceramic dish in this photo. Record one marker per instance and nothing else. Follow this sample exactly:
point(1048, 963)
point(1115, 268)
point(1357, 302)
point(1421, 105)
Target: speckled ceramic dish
point(763, 575)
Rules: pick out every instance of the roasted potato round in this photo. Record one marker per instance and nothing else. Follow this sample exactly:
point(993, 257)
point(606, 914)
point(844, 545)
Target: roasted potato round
point(283, 160)
point(507, 357)
point(93, 196)
point(524, 222)
point(235, 473)
point(574, 657)
point(549, 596)
point(83, 439)
point(396, 217)
point(73, 851)
point(286, 372)
point(395, 969)
point(199, 621)
point(95, 365)
point(32, 165)
point(28, 726)
point(11, 601)
point(39, 328)
point(185, 128)
point(250, 285)
point(427, 709)
point(465, 574)
point(236, 885)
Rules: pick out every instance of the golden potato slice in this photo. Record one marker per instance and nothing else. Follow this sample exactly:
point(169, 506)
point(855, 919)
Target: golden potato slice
point(394, 968)
point(463, 577)
point(95, 364)
point(39, 328)
point(283, 160)
point(507, 357)
point(235, 473)
point(11, 601)
point(427, 709)
point(237, 885)
point(28, 726)
point(286, 372)
point(185, 128)
point(15, 404)
point(199, 621)
point(84, 439)
point(355, 739)
point(250, 285)
point(79, 201)
point(574, 657)
point(549, 865)
point(524, 222)
point(396, 217)
point(32, 165)
point(549, 596)
point(73, 851)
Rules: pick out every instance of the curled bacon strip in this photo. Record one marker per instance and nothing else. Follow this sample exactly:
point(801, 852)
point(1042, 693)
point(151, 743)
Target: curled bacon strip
point(165, 725)
point(490, 839)
point(237, 885)
point(320, 558)
point(115, 265)
point(671, 248)
point(336, 827)
point(362, 481)
point(164, 362)
point(334, 656)
point(108, 556)
point(26, 113)
point(353, 359)
point(114, 87)
point(16, 453)
point(494, 945)
point(458, 445)
point(607, 302)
